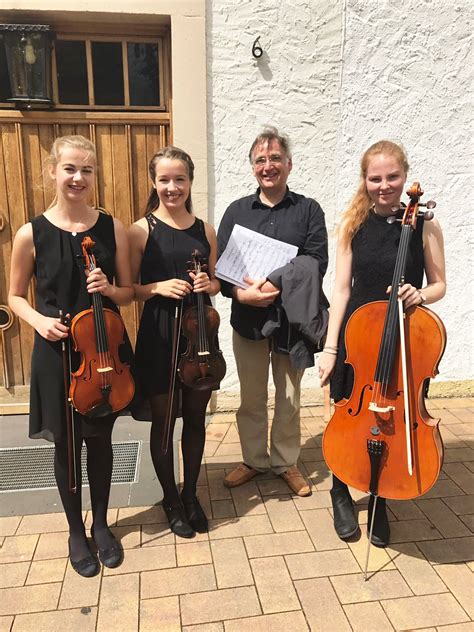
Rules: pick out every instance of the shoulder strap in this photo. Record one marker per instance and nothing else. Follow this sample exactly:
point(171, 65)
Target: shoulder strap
point(152, 222)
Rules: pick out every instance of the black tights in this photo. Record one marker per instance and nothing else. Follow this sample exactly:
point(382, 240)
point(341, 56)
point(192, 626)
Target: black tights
point(99, 471)
point(194, 404)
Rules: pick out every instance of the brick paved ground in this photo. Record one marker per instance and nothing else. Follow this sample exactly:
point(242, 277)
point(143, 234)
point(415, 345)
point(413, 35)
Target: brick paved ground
point(271, 560)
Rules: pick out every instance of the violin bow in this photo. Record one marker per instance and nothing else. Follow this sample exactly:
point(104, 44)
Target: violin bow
point(178, 314)
point(69, 410)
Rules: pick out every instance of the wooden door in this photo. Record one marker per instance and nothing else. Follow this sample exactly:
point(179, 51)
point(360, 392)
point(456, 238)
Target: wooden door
point(124, 147)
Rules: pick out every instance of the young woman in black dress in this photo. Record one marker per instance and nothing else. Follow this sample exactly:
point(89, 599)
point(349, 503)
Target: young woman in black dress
point(366, 254)
point(47, 248)
point(161, 244)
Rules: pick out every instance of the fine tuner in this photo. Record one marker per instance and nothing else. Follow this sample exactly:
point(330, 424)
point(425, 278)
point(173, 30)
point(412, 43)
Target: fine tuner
point(428, 214)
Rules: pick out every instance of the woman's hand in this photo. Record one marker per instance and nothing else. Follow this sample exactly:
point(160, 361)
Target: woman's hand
point(327, 361)
point(409, 294)
point(173, 288)
point(51, 328)
point(201, 282)
point(98, 282)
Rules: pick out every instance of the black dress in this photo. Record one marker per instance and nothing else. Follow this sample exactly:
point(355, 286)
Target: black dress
point(167, 255)
point(61, 285)
point(374, 252)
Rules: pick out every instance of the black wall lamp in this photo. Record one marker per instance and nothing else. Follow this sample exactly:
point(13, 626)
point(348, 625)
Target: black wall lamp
point(28, 53)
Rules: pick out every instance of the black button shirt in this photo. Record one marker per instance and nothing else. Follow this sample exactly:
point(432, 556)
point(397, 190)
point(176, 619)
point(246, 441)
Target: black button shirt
point(296, 220)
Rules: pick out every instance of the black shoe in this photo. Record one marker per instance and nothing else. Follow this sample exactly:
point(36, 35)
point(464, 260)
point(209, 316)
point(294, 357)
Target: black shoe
point(345, 522)
point(381, 531)
point(178, 521)
point(87, 567)
point(195, 514)
point(111, 556)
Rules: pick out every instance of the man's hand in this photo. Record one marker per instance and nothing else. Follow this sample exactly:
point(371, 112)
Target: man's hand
point(254, 294)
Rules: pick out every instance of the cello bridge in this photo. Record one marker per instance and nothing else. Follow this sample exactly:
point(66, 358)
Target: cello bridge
point(380, 409)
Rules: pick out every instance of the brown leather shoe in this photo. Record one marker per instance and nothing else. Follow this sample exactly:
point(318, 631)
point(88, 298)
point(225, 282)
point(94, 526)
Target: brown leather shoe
point(296, 481)
point(240, 475)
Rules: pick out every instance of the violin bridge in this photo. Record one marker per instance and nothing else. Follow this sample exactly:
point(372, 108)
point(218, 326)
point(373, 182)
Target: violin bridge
point(106, 369)
point(203, 353)
point(380, 409)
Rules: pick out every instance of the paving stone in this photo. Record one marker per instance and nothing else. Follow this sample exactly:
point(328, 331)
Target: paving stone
point(129, 536)
point(317, 500)
point(217, 489)
point(283, 514)
point(6, 624)
point(280, 622)
point(379, 558)
point(384, 584)
point(461, 429)
point(217, 431)
point(311, 454)
point(321, 564)
point(274, 586)
point(272, 487)
point(193, 553)
point(320, 527)
point(460, 581)
point(447, 523)
point(141, 515)
point(247, 500)
point(18, 548)
point(145, 559)
point(458, 455)
point(448, 551)
point(9, 525)
point(416, 570)
point(461, 504)
point(210, 447)
point(118, 606)
point(413, 531)
point(230, 563)
point(421, 612)
point(321, 606)
point(112, 514)
point(204, 627)
point(47, 571)
point(444, 488)
point(160, 614)
point(13, 574)
point(44, 523)
point(468, 521)
point(232, 435)
point(457, 402)
point(228, 462)
point(51, 545)
point(247, 525)
point(223, 509)
point(219, 605)
point(405, 509)
point(367, 617)
point(278, 544)
point(56, 621)
point(156, 535)
point(457, 627)
point(229, 449)
point(177, 581)
point(77, 591)
point(459, 473)
point(466, 415)
point(29, 599)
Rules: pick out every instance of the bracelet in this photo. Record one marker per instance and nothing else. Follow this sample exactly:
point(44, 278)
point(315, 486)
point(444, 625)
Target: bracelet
point(422, 296)
point(330, 352)
point(329, 347)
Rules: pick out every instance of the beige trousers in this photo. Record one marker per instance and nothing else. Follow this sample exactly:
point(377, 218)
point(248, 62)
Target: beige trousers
point(253, 359)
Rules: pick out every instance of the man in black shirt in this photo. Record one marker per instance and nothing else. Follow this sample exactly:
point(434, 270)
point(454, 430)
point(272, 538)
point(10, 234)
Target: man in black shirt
point(276, 212)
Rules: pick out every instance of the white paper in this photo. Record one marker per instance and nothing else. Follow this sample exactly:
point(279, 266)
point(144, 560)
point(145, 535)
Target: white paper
point(251, 254)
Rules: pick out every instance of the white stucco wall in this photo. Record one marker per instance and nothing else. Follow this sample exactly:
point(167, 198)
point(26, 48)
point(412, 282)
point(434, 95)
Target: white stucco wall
point(337, 76)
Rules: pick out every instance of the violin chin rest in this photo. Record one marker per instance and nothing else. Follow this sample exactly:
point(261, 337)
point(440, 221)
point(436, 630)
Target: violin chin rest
point(100, 410)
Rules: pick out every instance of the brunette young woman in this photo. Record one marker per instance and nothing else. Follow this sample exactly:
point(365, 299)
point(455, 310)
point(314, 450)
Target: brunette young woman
point(46, 248)
point(161, 244)
point(366, 254)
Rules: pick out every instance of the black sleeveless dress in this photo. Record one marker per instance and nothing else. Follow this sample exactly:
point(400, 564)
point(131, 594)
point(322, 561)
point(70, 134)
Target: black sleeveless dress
point(374, 252)
point(166, 256)
point(61, 285)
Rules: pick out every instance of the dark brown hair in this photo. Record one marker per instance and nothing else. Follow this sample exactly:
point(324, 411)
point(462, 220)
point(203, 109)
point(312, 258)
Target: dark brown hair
point(172, 153)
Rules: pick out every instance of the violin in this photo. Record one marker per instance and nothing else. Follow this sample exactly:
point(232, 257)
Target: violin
point(202, 365)
point(103, 384)
point(381, 439)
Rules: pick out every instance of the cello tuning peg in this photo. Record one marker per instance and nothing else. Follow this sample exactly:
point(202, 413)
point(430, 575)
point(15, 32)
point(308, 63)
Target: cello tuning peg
point(431, 204)
point(427, 215)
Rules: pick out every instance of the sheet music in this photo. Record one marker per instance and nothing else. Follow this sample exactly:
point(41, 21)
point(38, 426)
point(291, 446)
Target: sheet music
point(251, 254)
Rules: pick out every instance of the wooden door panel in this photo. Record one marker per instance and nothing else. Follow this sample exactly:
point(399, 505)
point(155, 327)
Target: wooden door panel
point(123, 150)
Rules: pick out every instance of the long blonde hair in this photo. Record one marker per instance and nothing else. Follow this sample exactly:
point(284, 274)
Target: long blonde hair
point(360, 205)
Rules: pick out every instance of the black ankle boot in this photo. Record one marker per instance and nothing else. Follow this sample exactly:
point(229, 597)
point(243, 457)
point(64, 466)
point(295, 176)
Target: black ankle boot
point(195, 514)
point(345, 522)
point(178, 521)
point(381, 531)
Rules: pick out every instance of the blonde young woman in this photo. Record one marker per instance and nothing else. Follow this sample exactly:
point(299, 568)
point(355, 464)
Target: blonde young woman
point(366, 254)
point(46, 248)
point(161, 244)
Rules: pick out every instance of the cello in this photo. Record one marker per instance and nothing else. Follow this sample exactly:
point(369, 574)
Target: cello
point(382, 439)
point(102, 384)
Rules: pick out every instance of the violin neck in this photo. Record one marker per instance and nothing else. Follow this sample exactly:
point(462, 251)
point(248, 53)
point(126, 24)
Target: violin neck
point(101, 338)
point(390, 334)
point(201, 317)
